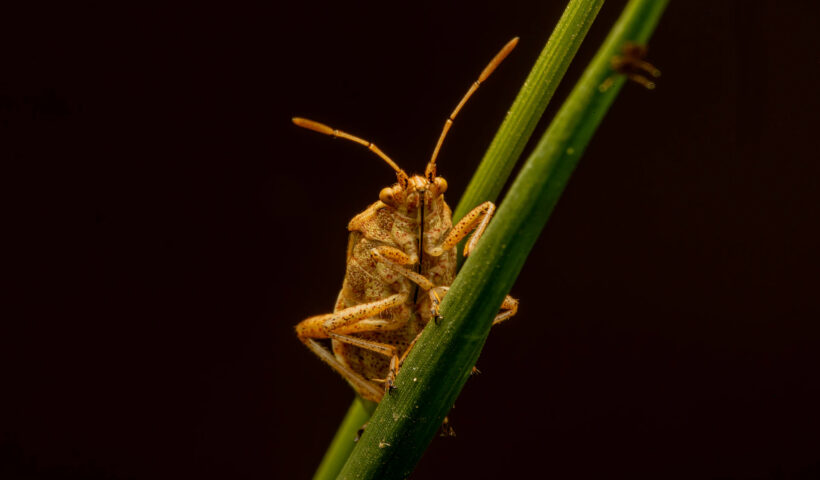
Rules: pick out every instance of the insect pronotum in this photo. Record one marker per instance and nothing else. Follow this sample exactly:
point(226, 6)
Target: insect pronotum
point(401, 259)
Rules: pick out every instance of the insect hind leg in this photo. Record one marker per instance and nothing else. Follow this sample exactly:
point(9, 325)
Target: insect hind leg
point(363, 387)
point(509, 307)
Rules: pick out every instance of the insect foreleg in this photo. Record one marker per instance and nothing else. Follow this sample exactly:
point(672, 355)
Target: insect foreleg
point(477, 219)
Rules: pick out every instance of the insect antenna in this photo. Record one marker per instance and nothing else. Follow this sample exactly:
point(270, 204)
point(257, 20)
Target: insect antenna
point(322, 128)
point(430, 171)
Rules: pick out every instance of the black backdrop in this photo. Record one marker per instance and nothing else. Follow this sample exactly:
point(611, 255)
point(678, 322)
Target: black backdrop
point(668, 322)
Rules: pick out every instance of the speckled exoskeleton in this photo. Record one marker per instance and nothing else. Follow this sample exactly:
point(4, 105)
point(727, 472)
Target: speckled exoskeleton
point(401, 259)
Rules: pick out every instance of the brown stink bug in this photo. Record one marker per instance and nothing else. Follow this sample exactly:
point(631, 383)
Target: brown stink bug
point(401, 259)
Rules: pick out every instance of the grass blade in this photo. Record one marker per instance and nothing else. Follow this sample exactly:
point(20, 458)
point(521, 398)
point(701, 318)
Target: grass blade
point(342, 443)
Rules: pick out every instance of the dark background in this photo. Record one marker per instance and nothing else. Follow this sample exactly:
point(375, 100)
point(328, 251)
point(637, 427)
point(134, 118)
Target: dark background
point(668, 322)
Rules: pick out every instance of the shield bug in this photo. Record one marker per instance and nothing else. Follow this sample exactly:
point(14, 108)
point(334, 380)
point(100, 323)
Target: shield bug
point(401, 259)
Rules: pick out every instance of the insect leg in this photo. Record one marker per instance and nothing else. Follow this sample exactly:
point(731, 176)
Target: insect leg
point(436, 296)
point(320, 325)
point(354, 319)
point(393, 258)
point(509, 307)
point(409, 347)
point(632, 64)
point(477, 219)
point(383, 348)
point(363, 387)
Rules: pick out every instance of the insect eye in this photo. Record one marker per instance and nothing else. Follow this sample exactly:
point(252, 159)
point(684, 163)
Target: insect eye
point(441, 184)
point(386, 195)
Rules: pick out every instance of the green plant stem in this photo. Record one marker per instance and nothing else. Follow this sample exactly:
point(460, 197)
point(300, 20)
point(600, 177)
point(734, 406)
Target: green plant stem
point(498, 162)
point(440, 363)
point(343, 442)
